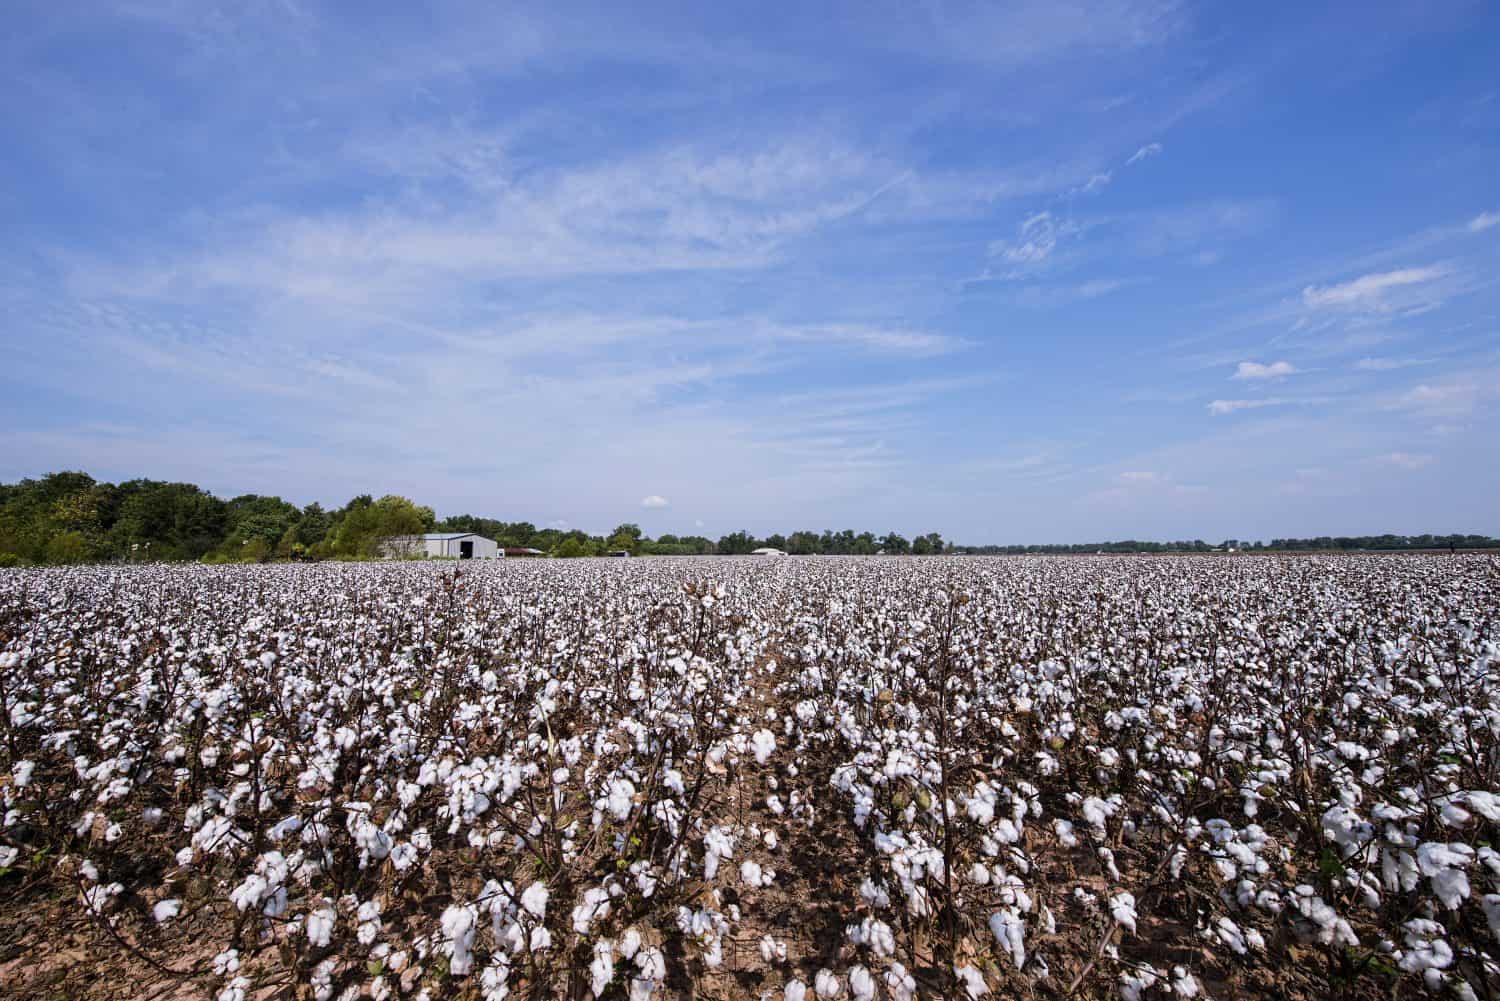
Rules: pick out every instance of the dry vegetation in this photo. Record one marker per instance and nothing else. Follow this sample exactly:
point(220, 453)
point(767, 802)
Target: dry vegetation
point(1132, 777)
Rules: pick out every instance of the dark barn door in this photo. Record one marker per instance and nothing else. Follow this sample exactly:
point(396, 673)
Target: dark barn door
point(466, 550)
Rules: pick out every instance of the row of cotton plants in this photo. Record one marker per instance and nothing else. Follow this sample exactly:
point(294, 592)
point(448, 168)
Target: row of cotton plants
point(811, 778)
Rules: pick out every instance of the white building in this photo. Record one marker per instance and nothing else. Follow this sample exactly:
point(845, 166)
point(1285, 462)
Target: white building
point(767, 551)
point(456, 545)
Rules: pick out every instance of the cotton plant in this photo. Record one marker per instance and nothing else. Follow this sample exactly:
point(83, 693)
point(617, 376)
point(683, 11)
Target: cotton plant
point(615, 765)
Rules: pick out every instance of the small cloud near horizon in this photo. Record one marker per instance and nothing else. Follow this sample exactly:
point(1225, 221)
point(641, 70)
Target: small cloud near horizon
point(1256, 370)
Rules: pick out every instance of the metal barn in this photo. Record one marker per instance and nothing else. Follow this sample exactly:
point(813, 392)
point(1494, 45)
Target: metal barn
point(456, 545)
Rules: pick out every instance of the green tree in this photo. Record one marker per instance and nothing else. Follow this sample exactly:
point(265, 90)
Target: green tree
point(894, 544)
point(626, 537)
point(367, 527)
point(737, 544)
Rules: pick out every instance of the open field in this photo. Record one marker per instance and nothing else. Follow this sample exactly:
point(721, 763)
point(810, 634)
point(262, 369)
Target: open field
point(1124, 777)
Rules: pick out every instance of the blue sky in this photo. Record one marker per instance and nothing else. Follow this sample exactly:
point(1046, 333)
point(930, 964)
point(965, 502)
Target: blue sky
point(1041, 271)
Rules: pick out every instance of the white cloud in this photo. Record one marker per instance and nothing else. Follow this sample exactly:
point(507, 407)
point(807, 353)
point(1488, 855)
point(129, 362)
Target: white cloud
point(1139, 476)
point(1035, 240)
point(1096, 183)
point(655, 502)
point(1368, 293)
point(1220, 407)
point(1146, 152)
point(1484, 221)
point(1455, 397)
point(1406, 460)
point(1249, 370)
point(698, 523)
point(1386, 364)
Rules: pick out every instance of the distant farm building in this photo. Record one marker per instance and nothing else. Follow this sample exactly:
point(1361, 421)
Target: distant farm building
point(453, 545)
point(512, 551)
point(619, 552)
point(767, 551)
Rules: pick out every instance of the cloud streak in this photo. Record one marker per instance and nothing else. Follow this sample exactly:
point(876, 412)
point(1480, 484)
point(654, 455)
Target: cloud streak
point(1252, 371)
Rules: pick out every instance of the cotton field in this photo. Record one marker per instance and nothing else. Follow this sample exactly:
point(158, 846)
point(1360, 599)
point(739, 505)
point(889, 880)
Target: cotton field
point(726, 778)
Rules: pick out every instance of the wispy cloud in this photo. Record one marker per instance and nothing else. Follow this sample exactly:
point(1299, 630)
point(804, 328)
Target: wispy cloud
point(1254, 370)
point(1219, 408)
point(1484, 221)
point(1036, 239)
point(655, 502)
point(1146, 152)
point(1458, 396)
point(1388, 364)
point(1406, 460)
point(1369, 293)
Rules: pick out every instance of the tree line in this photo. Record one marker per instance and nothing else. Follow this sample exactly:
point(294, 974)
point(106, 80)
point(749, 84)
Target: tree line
point(69, 517)
point(1364, 543)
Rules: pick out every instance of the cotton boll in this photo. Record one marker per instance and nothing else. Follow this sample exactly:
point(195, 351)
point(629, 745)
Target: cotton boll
point(826, 984)
point(861, 984)
point(165, 910)
point(1122, 909)
point(458, 928)
point(764, 743)
point(795, 990)
point(602, 968)
point(534, 900)
point(320, 926)
point(901, 984)
point(972, 981)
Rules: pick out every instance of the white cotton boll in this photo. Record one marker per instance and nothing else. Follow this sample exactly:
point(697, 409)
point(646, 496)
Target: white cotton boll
point(368, 917)
point(226, 962)
point(320, 926)
point(861, 984)
point(795, 990)
point(652, 967)
point(534, 900)
point(8, 856)
point(752, 875)
point(1122, 909)
point(1065, 835)
point(21, 774)
point(826, 984)
point(764, 743)
point(881, 939)
point(166, 910)
point(1010, 934)
point(620, 799)
point(1184, 984)
point(458, 928)
point(541, 939)
point(630, 943)
point(902, 985)
point(602, 968)
point(772, 951)
point(248, 894)
point(973, 981)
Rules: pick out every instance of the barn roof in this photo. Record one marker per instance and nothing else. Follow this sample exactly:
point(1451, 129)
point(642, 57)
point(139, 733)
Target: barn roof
point(444, 536)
